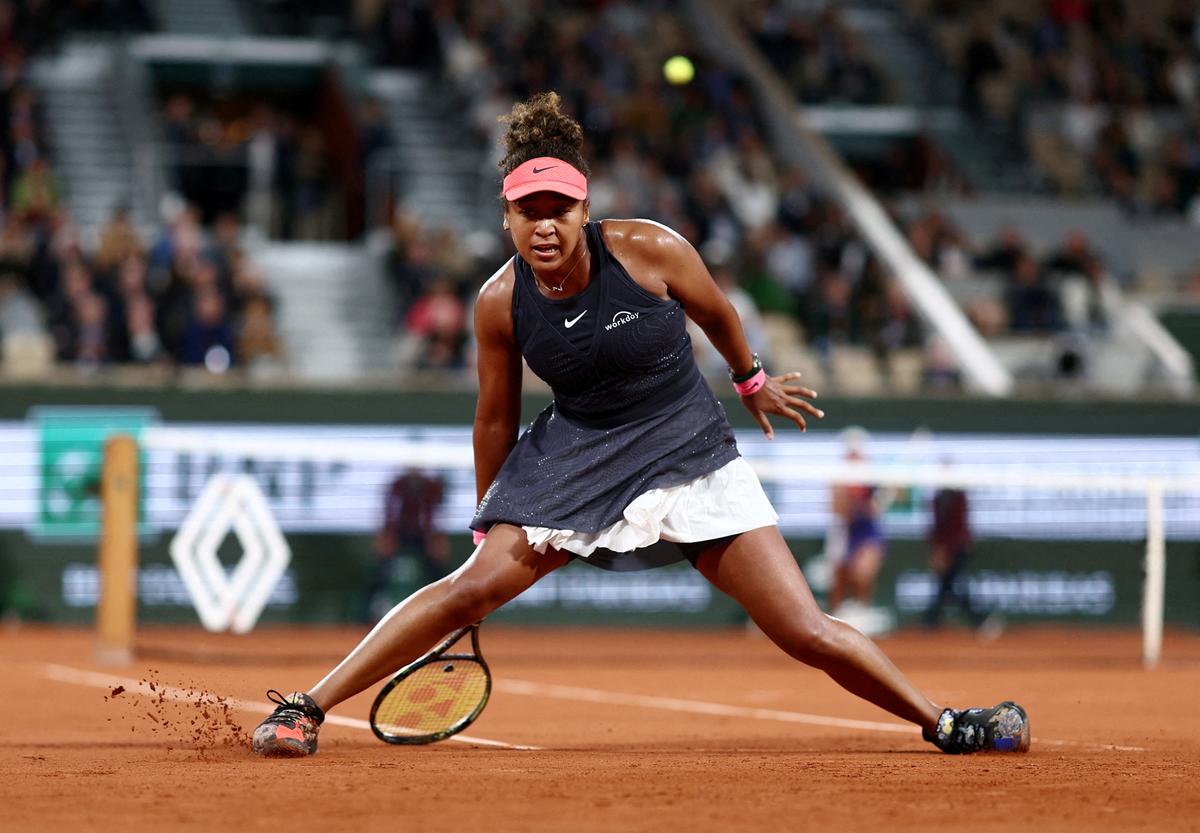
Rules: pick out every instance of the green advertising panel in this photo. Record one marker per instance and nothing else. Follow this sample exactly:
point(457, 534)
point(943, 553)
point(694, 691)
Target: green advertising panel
point(1069, 582)
point(71, 444)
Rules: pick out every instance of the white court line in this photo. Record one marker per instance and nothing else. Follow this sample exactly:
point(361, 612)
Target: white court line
point(594, 695)
point(78, 676)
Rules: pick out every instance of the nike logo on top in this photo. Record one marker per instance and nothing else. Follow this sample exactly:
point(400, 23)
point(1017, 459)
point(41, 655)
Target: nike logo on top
point(571, 322)
point(538, 170)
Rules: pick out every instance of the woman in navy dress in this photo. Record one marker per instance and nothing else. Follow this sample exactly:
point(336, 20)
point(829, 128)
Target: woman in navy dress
point(633, 464)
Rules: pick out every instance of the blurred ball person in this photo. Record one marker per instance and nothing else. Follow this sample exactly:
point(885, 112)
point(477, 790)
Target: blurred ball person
point(408, 533)
point(855, 543)
point(949, 551)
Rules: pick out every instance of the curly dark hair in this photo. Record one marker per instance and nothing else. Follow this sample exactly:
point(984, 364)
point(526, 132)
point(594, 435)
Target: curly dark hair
point(538, 127)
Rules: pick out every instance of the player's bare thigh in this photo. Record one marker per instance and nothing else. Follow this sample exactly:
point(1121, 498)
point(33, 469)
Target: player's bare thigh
point(758, 570)
point(504, 565)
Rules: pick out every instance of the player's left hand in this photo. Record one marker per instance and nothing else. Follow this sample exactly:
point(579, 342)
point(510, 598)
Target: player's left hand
point(782, 396)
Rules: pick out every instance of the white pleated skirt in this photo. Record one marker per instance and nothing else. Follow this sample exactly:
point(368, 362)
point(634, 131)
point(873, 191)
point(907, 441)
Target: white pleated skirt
point(724, 502)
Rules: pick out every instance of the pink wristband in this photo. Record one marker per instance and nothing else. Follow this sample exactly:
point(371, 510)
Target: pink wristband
point(752, 385)
point(477, 536)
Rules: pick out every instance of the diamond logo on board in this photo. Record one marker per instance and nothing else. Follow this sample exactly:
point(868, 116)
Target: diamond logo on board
point(230, 600)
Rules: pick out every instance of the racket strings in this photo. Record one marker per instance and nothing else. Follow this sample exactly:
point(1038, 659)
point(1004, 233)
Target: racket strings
point(433, 699)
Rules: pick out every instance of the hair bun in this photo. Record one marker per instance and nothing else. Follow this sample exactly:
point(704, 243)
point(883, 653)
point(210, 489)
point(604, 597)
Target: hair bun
point(538, 127)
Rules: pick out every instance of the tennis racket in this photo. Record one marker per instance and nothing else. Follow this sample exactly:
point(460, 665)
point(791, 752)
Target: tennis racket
point(434, 697)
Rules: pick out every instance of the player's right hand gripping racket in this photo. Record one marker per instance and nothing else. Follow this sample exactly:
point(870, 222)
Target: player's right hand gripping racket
point(434, 697)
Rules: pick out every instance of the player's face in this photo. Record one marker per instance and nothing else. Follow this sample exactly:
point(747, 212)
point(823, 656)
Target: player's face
point(546, 228)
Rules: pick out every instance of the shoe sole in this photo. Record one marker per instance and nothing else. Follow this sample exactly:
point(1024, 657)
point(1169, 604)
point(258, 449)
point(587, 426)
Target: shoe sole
point(1011, 727)
point(283, 749)
point(277, 747)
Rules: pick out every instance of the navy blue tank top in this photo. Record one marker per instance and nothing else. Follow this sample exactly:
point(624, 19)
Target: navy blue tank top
point(631, 411)
point(611, 353)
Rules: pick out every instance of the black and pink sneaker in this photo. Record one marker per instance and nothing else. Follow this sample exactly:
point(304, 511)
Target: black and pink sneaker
point(291, 730)
point(1002, 728)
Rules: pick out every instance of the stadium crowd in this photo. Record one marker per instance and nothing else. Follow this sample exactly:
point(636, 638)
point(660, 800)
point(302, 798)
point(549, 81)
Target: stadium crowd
point(1106, 94)
point(189, 297)
point(693, 156)
point(812, 49)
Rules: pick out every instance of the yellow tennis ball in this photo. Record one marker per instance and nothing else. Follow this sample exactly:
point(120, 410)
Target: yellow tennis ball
point(678, 69)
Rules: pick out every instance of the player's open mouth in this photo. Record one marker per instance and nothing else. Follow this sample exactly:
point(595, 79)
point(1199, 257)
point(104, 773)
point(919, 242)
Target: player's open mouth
point(546, 251)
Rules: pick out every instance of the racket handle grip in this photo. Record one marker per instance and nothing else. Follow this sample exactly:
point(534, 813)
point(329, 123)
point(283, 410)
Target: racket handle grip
point(477, 536)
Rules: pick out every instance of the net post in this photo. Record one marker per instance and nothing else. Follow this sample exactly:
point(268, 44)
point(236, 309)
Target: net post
point(1154, 585)
point(117, 557)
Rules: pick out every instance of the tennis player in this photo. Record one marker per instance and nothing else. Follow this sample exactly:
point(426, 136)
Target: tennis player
point(633, 464)
point(855, 544)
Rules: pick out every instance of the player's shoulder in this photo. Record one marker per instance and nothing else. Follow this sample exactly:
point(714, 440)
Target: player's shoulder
point(643, 239)
point(498, 289)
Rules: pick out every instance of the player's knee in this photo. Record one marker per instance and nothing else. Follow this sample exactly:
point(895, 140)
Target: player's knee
point(468, 600)
point(815, 639)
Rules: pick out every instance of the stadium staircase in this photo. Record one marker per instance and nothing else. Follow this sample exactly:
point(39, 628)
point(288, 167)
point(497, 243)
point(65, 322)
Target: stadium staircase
point(434, 168)
point(332, 309)
point(92, 133)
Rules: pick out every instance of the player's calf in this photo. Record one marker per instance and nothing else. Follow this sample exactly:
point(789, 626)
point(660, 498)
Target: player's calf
point(1002, 728)
point(291, 730)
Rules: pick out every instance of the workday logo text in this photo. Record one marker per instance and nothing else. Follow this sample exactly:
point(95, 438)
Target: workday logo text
point(622, 317)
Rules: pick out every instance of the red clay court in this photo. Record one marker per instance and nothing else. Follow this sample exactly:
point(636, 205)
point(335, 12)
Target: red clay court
point(601, 730)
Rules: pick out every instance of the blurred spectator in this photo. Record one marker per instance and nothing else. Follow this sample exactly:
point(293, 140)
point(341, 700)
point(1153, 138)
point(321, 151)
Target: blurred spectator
point(1073, 256)
point(1002, 256)
point(1033, 305)
point(981, 62)
point(410, 262)
point(91, 341)
point(178, 140)
point(75, 285)
point(436, 328)
point(885, 318)
point(258, 343)
point(828, 318)
point(949, 552)
point(407, 37)
point(143, 345)
point(939, 371)
point(376, 135)
point(118, 241)
point(1089, 298)
point(16, 251)
point(208, 333)
point(34, 192)
point(313, 207)
point(408, 535)
point(711, 362)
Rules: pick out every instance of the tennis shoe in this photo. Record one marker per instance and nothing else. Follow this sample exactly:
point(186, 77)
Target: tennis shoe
point(291, 730)
point(1002, 728)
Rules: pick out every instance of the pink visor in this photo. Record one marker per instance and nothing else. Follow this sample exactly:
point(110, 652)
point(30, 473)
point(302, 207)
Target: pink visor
point(545, 174)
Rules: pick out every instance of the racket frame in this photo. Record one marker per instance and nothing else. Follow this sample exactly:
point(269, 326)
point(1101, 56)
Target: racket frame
point(438, 654)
